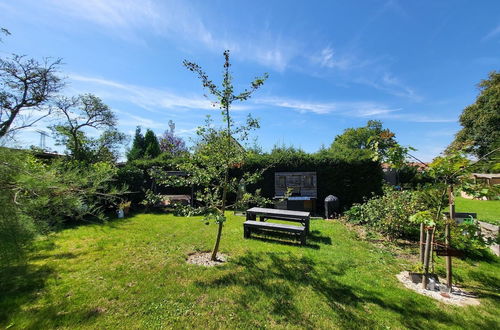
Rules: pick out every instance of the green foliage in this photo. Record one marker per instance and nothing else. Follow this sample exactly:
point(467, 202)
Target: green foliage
point(368, 142)
point(16, 230)
point(466, 237)
point(138, 146)
point(151, 199)
point(83, 112)
point(480, 121)
point(425, 217)
point(151, 144)
point(390, 213)
point(40, 197)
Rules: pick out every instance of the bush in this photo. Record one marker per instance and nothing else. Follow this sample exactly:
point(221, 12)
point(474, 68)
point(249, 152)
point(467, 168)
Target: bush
point(38, 197)
point(136, 176)
point(389, 214)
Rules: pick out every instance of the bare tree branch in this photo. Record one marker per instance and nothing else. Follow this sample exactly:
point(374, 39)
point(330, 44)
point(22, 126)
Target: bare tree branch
point(26, 85)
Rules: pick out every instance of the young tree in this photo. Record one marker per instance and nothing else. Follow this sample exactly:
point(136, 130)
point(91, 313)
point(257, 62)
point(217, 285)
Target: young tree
point(138, 146)
point(218, 149)
point(170, 143)
point(26, 89)
point(81, 113)
point(449, 172)
point(152, 147)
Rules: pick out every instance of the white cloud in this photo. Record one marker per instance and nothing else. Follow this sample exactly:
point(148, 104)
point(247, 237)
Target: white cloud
point(111, 13)
point(390, 84)
point(328, 58)
point(148, 98)
point(353, 109)
point(177, 20)
point(358, 109)
point(492, 34)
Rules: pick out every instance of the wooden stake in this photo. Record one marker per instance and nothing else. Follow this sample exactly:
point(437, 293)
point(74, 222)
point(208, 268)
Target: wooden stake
point(426, 258)
point(449, 273)
point(422, 247)
point(447, 233)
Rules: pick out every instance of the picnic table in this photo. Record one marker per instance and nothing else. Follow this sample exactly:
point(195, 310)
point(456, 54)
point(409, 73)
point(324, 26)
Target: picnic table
point(287, 215)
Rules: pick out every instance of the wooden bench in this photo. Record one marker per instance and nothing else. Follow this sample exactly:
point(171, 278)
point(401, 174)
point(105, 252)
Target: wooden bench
point(249, 225)
point(287, 215)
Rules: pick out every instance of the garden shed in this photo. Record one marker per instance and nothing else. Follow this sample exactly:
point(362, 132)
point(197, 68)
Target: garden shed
point(302, 187)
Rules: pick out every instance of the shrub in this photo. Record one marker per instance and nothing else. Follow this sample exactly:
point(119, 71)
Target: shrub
point(389, 213)
point(37, 197)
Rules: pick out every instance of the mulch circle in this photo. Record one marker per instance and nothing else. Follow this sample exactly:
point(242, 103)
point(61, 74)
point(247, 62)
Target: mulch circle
point(203, 259)
point(457, 297)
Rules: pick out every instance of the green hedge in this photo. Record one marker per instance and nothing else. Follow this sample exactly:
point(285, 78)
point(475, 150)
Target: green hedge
point(351, 182)
point(135, 175)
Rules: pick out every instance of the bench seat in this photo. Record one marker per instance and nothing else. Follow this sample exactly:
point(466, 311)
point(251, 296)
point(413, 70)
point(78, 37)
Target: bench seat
point(250, 224)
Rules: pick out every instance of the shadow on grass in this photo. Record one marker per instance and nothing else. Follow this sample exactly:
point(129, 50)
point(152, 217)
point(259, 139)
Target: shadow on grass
point(20, 285)
point(313, 239)
point(277, 279)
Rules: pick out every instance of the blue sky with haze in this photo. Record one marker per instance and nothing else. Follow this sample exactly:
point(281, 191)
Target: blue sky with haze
point(332, 64)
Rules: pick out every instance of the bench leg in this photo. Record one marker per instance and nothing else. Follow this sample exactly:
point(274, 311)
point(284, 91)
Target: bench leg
point(303, 238)
point(246, 232)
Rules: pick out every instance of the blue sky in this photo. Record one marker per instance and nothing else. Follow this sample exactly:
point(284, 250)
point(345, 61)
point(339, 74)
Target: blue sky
point(332, 64)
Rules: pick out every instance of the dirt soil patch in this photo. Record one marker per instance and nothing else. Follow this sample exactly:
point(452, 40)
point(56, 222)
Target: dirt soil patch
point(203, 259)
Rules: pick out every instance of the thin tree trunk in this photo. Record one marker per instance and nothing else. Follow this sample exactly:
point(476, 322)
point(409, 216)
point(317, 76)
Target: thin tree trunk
point(426, 258)
point(217, 242)
point(224, 188)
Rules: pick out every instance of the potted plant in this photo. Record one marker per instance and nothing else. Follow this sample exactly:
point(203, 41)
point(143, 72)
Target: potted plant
point(123, 208)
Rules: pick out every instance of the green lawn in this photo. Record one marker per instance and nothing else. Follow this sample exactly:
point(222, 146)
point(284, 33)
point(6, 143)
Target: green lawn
point(132, 274)
point(488, 211)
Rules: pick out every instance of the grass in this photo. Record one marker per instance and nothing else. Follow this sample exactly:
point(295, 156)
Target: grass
point(488, 211)
point(132, 274)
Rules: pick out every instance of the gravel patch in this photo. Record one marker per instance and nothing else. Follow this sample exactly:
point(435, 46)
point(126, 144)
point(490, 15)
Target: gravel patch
point(457, 297)
point(203, 259)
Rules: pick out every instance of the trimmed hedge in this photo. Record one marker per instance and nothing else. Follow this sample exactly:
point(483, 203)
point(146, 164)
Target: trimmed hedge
point(351, 182)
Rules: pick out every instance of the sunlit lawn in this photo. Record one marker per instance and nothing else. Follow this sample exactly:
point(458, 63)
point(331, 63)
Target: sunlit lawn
point(132, 274)
point(488, 211)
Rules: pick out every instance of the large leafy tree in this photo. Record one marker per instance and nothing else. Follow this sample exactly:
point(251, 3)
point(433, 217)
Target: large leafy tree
point(368, 142)
point(480, 121)
point(79, 114)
